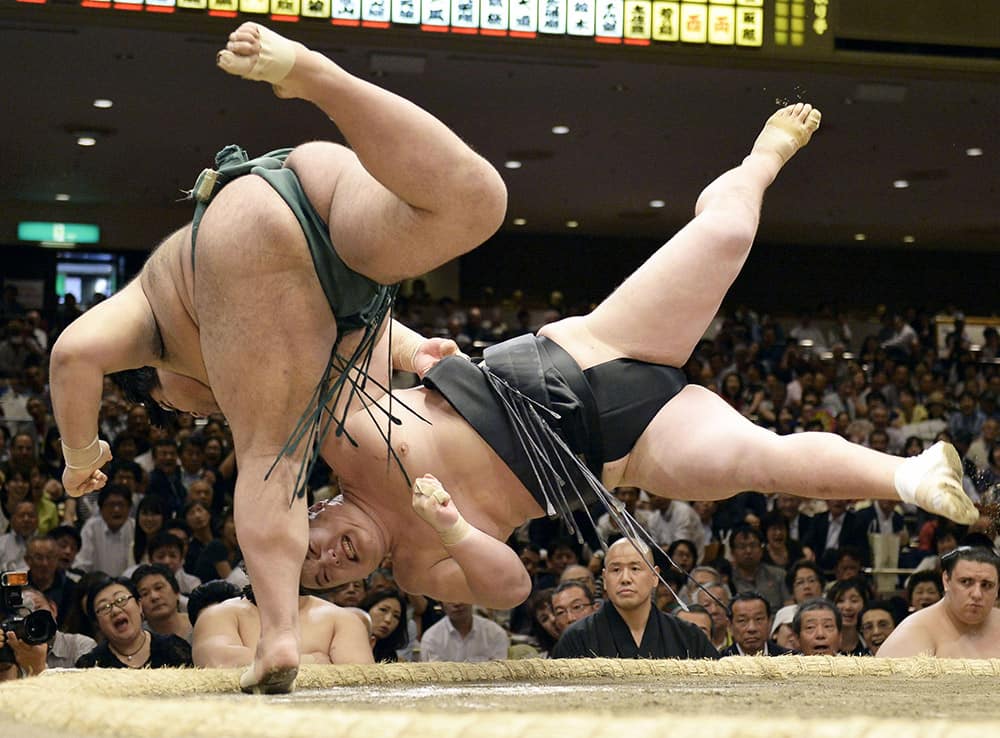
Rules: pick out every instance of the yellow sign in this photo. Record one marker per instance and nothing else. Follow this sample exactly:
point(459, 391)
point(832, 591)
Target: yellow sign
point(721, 25)
point(638, 19)
point(694, 23)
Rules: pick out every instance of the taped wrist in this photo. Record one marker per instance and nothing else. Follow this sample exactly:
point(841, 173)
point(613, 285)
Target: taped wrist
point(82, 458)
point(456, 533)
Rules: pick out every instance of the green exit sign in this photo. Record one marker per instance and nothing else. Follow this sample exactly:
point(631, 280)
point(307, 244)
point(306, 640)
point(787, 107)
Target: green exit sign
point(58, 232)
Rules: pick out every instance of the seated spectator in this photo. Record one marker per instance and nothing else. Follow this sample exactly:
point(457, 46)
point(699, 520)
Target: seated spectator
point(715, 598)
point(684, 555)
point(878, 620)
point(805, 581)
point(543, 621)
point(14, 545)
point(699, 577)
point(817, 626)
point(779, 548)
point(850, 596)
point(226, 631)
point(108, 537)
point(220, 555)
point(833, 529)
point(750, 573)
point(167, 549)
point(44, 574)
point(149, 518)
point(463, 636)
point(60, 652)
point(965, 622)
point(944, 539)
point(696, 615)
point(564, 552)
point(571, 602)
point(750, 621)
point(16, 488)
point(628, 625)
point(782, 631)
point(580, 575)
point(113, 606)
point(351, 594)
point(847, 563)
point(671, 520)
point(159, 598)
point(387, 610)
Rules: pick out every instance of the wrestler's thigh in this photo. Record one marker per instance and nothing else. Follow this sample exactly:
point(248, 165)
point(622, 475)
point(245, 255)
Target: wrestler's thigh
point(266, 327)
point(661, 311)
point(698, 447)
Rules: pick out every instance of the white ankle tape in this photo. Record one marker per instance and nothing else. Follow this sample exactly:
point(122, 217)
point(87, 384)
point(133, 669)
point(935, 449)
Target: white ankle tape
point(82, 458)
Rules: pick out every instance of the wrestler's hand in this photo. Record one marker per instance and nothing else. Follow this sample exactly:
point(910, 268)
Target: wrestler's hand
point(431, 351)
point(79, 481)
point(432, 503)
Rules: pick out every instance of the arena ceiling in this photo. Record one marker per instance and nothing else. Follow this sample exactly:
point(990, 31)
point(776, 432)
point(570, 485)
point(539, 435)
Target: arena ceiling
point(643, 126)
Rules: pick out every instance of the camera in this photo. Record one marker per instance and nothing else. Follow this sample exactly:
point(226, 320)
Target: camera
point(34, 628)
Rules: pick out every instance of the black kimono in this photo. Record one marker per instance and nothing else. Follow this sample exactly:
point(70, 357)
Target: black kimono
point(605, 635)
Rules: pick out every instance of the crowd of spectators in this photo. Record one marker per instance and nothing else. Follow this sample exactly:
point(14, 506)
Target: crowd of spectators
point(754, 573)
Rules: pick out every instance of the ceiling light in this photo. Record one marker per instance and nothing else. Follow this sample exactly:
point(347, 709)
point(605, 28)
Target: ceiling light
point(909, 239)
point(102, 103)
point(86, 141)
point(520, 221)
point(512, 164)
point(560, 130)
point(900, 184)
point(62, 197)
point(571, 224)
point(974, 151)
point(657, 203)
point(860, 236)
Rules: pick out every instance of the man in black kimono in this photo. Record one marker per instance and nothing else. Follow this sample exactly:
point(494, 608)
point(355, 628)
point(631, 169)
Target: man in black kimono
point(628, 625)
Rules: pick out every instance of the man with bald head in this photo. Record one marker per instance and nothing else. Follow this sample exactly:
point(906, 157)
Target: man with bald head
point(628, 625)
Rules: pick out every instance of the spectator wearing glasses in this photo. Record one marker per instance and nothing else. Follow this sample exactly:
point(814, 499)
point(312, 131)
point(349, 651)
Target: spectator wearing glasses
point(571, 601)
point(113, 606)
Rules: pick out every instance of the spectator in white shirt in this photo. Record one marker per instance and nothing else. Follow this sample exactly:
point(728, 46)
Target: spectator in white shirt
point(463, 636)
point(14, 544)
point(108, 537)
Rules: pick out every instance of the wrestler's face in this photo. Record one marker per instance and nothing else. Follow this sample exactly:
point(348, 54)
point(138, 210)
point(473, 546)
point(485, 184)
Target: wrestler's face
point(345, 544)
point(971, 591)
point(183, 394)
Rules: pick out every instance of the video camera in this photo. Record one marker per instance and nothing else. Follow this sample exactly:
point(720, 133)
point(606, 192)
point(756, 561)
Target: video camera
point(34, 628)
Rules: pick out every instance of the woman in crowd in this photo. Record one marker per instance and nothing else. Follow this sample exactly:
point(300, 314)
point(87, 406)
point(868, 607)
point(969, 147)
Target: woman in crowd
point(779, 549)
point(221, 555)
point(113, 606)
point(149, 518)
point(684, 554)
point(387, 609)
point(850, 597)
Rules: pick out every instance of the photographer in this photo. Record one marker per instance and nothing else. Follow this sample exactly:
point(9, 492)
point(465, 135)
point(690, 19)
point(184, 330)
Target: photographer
point(61, 651)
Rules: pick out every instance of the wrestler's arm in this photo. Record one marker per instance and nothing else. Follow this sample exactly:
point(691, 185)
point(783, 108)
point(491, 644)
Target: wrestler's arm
point(216, 640)
point(411, 352)
point(911, 638)
point(116, 334)
point(480, 569)
point(350, 644)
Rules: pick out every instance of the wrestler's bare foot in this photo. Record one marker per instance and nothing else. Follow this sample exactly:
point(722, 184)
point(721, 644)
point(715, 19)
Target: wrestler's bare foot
point(274, 668)
point(787, 131)
point(933, 480)
point(258, 53)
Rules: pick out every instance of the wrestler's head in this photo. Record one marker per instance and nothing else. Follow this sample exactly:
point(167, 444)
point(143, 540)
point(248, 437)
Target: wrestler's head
point(345, 544)
point(163, 392)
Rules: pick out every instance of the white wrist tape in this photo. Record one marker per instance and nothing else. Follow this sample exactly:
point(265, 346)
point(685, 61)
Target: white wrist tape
point(456, 533)
point(82, 458)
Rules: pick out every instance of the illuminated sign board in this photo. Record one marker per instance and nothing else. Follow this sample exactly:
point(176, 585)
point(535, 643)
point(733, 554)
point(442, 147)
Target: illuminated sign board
point(775, 25)
point(58, 232)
